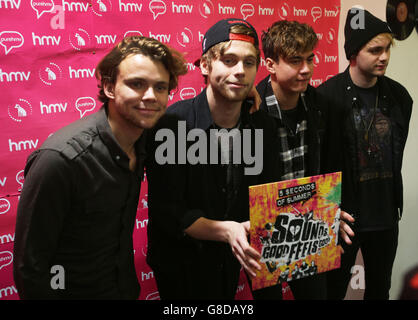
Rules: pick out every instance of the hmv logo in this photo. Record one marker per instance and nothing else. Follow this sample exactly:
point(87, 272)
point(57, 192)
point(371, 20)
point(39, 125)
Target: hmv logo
point(161, 37)
point(105, 38)
point(129, 6)
point(226, 10)
point(53, 107)
point(45, 40)
point(140, 224)
point(6, 238)
point(181, 8)
point(81, 73)
point(300, 12)
point(22, 145)
point(329, 59)
point(75, 6)
point(9, 4)
point(14, 76)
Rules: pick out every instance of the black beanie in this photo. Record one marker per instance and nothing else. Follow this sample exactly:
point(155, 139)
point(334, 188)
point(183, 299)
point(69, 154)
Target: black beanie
point(357, 33)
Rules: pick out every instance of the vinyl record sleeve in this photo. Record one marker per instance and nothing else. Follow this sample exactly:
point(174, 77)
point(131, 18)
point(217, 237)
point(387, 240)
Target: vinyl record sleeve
point(295, 228)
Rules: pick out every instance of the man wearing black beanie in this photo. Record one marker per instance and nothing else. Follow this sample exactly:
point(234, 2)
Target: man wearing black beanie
point(368, 121)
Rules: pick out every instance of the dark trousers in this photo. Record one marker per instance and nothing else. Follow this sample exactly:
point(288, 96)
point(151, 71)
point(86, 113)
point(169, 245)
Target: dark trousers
point(379, 250)
point(186, 284)
point(310, 288)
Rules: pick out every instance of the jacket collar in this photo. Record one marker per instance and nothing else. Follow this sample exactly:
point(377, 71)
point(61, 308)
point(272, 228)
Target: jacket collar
point(384, 91)
point(203, 116)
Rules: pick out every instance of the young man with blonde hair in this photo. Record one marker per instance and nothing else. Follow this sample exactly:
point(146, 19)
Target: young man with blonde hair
point(199, 212)
point(290, 100)
point(369, 120)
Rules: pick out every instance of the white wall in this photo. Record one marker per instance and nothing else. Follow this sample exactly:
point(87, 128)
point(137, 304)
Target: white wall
point(403, 68)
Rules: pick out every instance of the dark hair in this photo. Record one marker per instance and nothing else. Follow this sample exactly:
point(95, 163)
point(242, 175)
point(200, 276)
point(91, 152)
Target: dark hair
point(288, 38)
point(108, 68)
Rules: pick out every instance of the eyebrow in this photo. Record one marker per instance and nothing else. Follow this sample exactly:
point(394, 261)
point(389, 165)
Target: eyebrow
point(300, 57)
point(145, 80)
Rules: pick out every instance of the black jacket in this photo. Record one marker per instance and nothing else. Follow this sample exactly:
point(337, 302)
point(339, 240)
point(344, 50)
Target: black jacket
point(179, 194)
point(396, 103)
point(77, 210)
point(315, 134)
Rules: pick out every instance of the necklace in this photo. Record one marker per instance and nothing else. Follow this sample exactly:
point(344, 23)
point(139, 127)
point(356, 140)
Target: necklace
point(366, 135)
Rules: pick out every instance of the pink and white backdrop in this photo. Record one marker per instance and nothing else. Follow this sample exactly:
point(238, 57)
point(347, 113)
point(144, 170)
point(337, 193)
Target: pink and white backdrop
point(48, 53)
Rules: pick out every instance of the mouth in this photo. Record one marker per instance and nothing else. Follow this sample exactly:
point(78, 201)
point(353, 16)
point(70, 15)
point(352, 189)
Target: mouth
point(237, 85)
point(147, 111)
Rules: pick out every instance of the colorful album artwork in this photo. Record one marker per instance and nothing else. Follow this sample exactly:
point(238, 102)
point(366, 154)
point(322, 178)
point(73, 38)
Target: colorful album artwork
point(294, 226)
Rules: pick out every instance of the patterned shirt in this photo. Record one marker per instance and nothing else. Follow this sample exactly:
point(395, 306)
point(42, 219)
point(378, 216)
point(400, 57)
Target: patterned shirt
point(292, 141)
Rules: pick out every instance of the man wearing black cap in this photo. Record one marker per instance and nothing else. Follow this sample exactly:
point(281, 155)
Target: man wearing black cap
point(368, 119)
point(199, 210)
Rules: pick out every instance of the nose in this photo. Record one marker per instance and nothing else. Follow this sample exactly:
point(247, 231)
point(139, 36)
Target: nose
point(239, 69)
point(385, 55)
point(306, 67)
point(149, 94)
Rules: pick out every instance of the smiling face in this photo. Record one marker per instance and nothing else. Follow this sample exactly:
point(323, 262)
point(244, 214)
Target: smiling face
point(373, 59)
point(139, 96)
point(292, 74)
point(232, 75)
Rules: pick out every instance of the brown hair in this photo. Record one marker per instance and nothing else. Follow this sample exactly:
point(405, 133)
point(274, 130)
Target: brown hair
point(288, 38)
point(108, 68)
point(219, 49)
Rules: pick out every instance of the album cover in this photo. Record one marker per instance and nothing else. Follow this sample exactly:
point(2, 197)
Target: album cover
point(295, 227)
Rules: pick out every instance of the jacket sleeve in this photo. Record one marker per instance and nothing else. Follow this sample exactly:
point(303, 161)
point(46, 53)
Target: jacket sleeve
point(167, 183)
point(43, 205)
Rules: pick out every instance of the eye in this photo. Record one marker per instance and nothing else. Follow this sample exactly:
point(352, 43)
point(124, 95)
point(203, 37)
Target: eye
point(136, 84)
point(161, 88)
point(250, 62)
point(295, 62)
point(228, 60)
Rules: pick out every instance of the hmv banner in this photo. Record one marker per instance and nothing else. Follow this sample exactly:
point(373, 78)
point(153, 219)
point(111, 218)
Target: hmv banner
point(48, 53)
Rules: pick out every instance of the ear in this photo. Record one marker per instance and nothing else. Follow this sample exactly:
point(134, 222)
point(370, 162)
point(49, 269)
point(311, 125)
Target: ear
point(109, 90)
point(204, 67)
point(270, 65)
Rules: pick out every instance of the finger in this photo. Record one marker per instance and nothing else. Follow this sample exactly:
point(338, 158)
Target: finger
point(246, 226)
point(257, 99)
point(252, 253)
point(246, 267)
point(347, 229)
point(345, 237)
point(346, 216)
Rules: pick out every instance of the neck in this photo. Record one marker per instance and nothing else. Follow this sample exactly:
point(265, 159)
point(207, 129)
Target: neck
point(225, 113)
point(287, 100)
point(360, 79)
point(126, 134)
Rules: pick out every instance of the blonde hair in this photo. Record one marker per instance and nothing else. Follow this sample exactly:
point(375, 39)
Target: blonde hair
point(218, 50)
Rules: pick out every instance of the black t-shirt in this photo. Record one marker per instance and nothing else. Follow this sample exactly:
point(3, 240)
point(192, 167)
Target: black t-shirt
point(377, 208)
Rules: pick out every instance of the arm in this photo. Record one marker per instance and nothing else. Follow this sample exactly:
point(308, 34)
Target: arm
point(43, 205)
point(231, 232)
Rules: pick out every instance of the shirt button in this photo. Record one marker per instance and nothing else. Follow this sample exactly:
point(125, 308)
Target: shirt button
point(348, 88)
point(118, 158)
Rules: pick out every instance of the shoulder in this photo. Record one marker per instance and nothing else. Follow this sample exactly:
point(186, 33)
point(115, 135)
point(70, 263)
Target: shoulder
point(262, 120)
point(398, 88)
point(332, 83)
point(262, 85)
point(72, 139)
